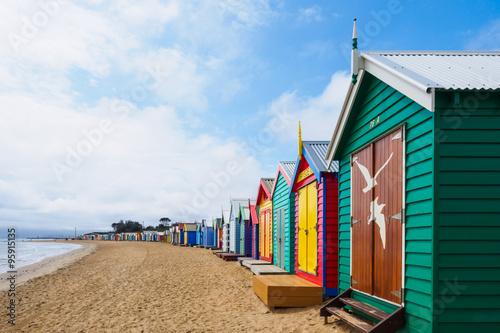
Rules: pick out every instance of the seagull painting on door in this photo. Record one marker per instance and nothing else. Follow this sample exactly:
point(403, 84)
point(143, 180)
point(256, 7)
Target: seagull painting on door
point(377, 199)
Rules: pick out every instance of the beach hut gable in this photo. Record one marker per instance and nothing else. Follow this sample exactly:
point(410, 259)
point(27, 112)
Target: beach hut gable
point(265, 216)
point(315, 186)
point(412, 180)
point(284, 218)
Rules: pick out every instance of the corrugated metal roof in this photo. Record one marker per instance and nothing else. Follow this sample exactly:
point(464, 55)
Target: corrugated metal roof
point(457, 70)
point(316, 150)
point(225, 216)
point(190, 226)
point(268, 182)
point(288, 168)
point(246, 211)
point(235, 203)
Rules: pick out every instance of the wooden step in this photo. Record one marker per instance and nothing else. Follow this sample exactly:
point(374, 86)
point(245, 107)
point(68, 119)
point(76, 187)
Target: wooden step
point(365, 308)
point(350, 319)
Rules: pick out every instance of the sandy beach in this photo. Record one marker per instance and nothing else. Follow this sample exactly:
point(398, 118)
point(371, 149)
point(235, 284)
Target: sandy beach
point(148, 287)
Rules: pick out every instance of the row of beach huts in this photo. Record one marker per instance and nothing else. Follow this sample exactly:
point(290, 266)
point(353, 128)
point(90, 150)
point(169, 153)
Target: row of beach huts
point(396, 219)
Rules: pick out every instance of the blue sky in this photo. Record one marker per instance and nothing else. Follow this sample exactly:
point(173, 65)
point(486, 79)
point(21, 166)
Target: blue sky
point(142, 109)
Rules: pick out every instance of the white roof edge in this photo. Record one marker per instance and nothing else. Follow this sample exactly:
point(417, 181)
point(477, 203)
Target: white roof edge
point(344, 115)
point(415, 90)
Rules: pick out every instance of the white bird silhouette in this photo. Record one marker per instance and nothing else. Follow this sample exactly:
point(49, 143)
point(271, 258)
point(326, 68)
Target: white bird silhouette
point(371, 182)
point(379, 218)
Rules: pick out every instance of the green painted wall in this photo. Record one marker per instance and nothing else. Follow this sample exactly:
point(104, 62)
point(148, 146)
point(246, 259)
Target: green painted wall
point(280, 200)
point(467, 232)
point(377, 110)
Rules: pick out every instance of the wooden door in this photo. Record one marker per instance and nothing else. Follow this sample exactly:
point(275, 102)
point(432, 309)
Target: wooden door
point(361, 230)
point(265, 233)
point(261, 234)
point(302, 238)
point(282, 237)
point(308, 229)
point(377, 202)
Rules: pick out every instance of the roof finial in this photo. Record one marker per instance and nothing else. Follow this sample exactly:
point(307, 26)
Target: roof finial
point(354, 54)
point(300, 142)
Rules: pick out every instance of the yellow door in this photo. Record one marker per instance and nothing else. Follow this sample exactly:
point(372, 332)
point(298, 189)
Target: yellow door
point(261, 234)
point(266, 234)
point(308, 233)
point(312, 229)
point(302, 256)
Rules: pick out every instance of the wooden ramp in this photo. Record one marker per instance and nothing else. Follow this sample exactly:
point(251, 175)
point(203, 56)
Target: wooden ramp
point(268, 270)
point(220, 253)
point(287, 291)
point(230, 256)
point(211, 247)
point(250, 263)
point(242, 259)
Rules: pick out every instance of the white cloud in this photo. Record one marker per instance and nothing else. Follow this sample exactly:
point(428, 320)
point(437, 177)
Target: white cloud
point(487, 38)
point(146, 167)
point(317, 115)
point(310, 14)
point(152, 163)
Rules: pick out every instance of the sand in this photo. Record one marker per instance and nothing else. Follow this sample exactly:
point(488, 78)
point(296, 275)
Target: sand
point(149, 287)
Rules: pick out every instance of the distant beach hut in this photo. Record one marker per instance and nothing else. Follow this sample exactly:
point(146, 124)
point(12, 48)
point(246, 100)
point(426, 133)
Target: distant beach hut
point(225, 232)
point(284, 217)
point(264, 205)
point(315, 185)
point(234, 229)
point(208, 234)
point(217, 223)
point(199, 232)
point(245, 229)
point(181, 234)
point(418, 145)
point(254, 222)
point(189, 230)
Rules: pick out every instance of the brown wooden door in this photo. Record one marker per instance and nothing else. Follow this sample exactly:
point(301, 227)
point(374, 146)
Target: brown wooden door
point(362, 231)
point(377, 178)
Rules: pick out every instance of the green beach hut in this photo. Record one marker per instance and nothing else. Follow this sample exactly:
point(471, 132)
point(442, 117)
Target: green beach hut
point(284, 217)
point(418, 143)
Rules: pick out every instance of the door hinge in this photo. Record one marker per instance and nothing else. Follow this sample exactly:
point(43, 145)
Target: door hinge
point(399, 294)
point(316, 227)
point(353, 282)
point(353, 221)
point(316, 270)
point(400, 216)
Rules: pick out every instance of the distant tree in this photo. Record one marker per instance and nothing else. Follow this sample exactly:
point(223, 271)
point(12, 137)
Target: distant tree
point(127, 226)
point(164, 220)
point(149, 227)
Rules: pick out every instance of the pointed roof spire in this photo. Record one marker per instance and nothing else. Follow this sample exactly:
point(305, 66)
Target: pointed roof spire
point(354, 36)
point(300, 142)
point(354, 54)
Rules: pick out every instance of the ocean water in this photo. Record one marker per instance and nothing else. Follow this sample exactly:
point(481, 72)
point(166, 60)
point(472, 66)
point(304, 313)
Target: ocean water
point(30, 252)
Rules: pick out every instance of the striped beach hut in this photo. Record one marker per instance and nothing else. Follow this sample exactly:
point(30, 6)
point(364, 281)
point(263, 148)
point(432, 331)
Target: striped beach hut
point(264, 205)
point(419, 149)
point(234, 227)
point(245, 229)
point(217, 225)
point(225, 230)
point(315, 185)
point(254, 222)
point(284, 217)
